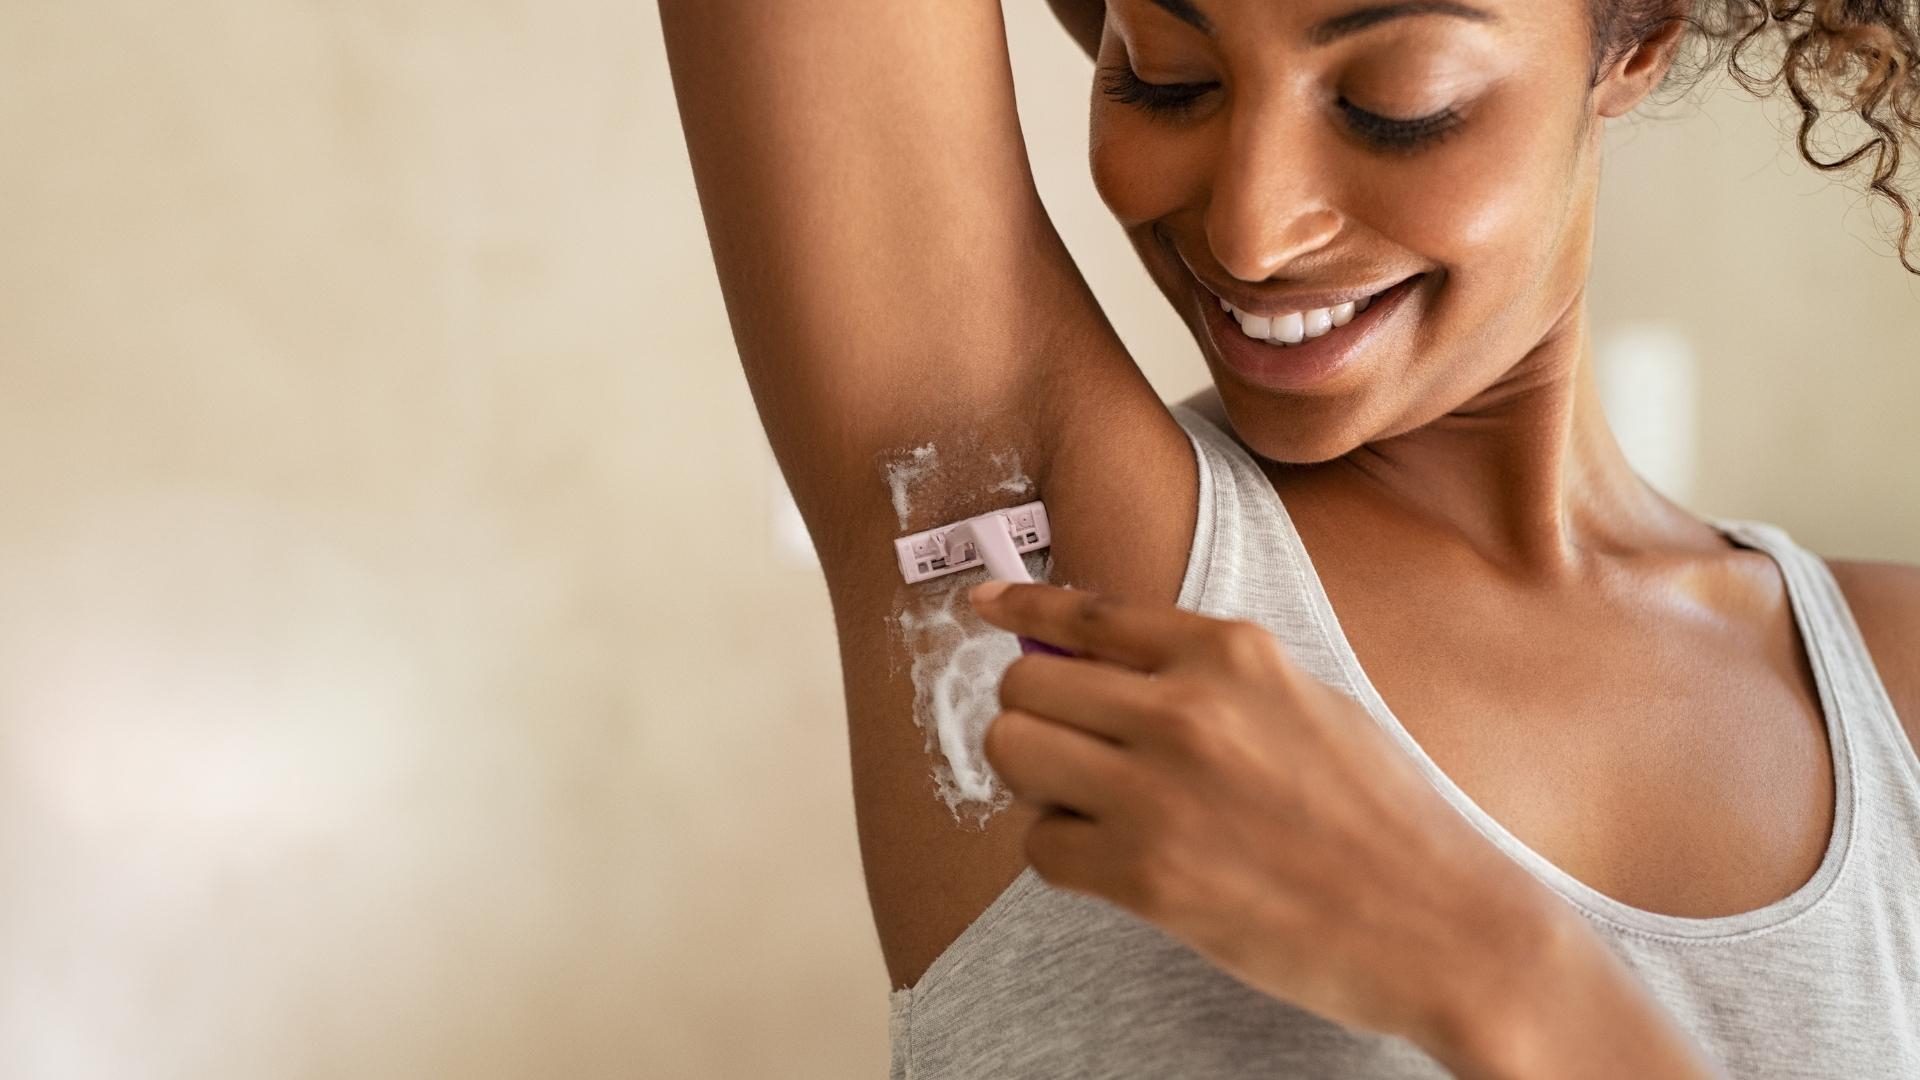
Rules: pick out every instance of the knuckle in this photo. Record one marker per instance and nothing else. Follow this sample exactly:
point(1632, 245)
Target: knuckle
point(1096, 612)
point(1192, 719)
point(1165, 696)
point(1245, 645)
point(1185, 727)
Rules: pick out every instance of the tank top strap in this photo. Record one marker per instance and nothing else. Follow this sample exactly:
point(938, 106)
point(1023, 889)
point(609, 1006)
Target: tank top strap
point(1247, 560)
point(1827, 622)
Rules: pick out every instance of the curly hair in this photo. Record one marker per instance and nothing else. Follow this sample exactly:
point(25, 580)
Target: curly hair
point(1837, 58)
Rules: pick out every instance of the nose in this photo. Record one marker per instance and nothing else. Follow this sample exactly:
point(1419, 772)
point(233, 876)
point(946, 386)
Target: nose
point(1270, 202)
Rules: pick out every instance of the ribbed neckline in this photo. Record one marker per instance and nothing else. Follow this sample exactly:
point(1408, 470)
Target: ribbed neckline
point(1621, 917)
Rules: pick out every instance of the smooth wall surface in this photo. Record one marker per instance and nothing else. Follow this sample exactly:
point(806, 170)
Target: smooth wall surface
point(403, 668)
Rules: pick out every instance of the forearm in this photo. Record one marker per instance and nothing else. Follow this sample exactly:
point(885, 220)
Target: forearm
point(1575, 1011)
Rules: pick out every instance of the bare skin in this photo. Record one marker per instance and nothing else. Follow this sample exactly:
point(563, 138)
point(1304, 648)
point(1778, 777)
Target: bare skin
point(1459, 486)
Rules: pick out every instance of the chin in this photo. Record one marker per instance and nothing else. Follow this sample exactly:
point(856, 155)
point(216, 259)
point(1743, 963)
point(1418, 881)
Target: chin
point(1294, 430)
point(1296, 451)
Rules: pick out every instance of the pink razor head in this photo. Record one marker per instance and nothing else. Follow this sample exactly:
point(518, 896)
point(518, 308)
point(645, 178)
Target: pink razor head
point(994, 540)
point(999, 537)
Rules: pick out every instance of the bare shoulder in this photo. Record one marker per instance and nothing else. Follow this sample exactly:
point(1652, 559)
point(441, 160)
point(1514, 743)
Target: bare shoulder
point(1885, 599)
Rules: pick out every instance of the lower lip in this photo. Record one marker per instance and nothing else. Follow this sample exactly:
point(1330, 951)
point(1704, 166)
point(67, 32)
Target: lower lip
point(1308, 364)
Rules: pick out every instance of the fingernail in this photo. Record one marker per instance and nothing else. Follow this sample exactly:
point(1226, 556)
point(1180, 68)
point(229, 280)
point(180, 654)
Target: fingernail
point(986, 591)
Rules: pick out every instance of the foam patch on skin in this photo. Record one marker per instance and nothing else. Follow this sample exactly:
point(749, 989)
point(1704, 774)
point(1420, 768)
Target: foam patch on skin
point(915, 474)
point(958, 658)
point(958, 661)
point(1017, 483)
point(906, 473)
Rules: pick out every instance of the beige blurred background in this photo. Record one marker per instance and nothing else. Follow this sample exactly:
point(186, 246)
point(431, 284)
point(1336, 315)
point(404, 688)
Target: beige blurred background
point(408, 666)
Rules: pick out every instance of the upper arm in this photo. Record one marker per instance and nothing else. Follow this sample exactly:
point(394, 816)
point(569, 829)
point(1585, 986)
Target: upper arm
point(894, 285)
point(890, 274)
point(1885, 600)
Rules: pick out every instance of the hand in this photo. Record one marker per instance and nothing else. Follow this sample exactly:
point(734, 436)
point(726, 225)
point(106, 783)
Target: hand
point(1191, 773)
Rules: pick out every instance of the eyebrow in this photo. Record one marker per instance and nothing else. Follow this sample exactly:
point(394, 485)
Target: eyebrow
point(1340, 26)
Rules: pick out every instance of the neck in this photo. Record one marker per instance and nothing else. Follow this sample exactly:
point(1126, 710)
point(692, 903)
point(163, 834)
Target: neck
point(1528, 472)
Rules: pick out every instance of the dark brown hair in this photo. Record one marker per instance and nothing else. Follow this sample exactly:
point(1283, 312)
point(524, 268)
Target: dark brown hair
point(1852, 59)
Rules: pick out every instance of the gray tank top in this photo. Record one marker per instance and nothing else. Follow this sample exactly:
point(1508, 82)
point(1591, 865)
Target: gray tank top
point(1824, 982)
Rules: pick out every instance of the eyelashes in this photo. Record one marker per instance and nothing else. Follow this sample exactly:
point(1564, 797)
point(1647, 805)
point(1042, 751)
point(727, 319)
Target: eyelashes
point(1402, 135)
point(1386, 133)
point(1123, 85)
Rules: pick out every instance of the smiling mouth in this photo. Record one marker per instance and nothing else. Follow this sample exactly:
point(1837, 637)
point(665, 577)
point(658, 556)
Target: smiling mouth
point(1297, 328)
point(1300, 351)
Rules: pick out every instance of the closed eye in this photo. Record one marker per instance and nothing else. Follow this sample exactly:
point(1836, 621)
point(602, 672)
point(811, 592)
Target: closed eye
point(1386, 133)
point(1396, 135)
point(1122, 84)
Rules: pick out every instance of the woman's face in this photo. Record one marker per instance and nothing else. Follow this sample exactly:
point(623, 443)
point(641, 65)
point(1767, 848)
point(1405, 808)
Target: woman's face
point(1319, 150)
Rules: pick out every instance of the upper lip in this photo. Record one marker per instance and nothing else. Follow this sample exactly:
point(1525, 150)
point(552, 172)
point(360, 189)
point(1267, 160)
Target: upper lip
point(1288, 303)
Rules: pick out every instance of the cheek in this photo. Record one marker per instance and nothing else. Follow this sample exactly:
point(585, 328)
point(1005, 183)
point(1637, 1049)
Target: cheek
point(1502, 187)
point(1497, 196)
point(1141, 171)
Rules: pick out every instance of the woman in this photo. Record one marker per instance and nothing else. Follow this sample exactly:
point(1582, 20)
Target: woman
point(1407, 729)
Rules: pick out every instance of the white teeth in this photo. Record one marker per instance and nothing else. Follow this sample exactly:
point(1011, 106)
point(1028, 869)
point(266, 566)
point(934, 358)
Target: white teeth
point(1292, 329)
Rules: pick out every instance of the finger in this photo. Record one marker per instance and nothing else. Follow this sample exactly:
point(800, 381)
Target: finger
point(1067, 852)
point(1136, 634)
point(1049, 763)
point(1101, 699)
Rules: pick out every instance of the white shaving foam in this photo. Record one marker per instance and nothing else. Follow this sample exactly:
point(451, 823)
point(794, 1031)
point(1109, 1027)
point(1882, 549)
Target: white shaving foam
point(958, 657)
point(1018, 483)
point(904, 474)
point(958, 661)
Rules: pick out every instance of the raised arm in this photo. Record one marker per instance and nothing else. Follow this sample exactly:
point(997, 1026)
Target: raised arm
point(889, 271)
point(892, 280)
